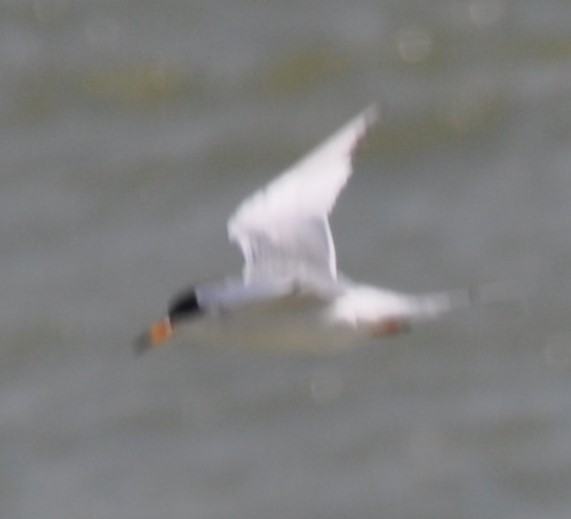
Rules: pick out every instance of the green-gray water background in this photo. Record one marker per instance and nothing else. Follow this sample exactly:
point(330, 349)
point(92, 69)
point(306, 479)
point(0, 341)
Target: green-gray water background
point(129, 130)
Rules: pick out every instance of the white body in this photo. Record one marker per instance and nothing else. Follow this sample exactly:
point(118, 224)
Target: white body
point(303, 326)
point(315, 321)
point(290, 294)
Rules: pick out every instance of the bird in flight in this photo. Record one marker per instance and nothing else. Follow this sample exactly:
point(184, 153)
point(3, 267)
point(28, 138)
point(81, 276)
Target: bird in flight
point(291, 294)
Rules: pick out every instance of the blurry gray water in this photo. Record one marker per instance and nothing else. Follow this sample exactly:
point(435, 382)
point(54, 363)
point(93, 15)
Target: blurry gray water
point(130, 130)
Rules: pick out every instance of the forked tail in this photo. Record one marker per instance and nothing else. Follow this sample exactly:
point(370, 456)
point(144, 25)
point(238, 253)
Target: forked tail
point(432, 306)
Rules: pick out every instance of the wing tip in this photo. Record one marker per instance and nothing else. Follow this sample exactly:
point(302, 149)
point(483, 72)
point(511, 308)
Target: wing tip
point(370, 115)
point(363, 123)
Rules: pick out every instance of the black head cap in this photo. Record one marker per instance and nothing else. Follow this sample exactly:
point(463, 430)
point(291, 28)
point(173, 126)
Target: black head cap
point(184, 307)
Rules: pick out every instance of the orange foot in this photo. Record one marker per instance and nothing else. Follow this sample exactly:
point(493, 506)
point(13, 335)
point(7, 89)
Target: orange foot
point(388, 327)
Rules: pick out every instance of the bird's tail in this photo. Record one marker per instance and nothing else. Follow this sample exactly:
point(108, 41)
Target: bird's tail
point(432, 306)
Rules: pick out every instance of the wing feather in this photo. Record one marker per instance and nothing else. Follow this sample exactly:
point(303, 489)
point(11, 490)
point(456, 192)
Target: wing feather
point(285, 223)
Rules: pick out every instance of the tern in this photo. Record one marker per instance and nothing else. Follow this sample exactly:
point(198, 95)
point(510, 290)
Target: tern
point(291, 294)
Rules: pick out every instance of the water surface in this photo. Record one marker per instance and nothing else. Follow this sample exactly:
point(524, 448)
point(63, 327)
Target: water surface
point(130, 130)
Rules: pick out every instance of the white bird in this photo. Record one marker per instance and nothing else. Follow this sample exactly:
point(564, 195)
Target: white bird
point(290, 294)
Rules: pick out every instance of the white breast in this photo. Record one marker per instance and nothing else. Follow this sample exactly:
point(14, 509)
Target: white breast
point(306, 327)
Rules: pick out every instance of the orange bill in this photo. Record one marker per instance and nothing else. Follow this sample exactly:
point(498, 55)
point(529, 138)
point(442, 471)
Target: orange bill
point(160, 332)
point(157, 335)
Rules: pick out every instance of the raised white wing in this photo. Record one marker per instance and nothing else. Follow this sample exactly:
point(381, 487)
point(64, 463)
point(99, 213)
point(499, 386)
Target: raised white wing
point(284, 225)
